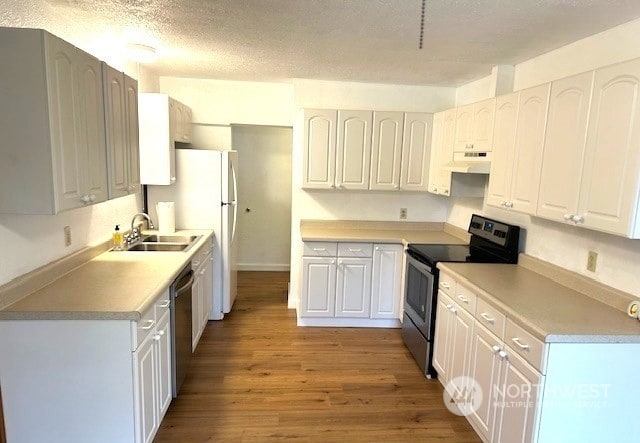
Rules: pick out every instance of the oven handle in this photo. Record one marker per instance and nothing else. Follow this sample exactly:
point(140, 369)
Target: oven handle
point(415, 262)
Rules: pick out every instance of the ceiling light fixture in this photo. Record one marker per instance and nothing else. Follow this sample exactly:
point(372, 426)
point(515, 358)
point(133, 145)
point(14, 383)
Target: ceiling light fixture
point(141, 53)
point(422, 23)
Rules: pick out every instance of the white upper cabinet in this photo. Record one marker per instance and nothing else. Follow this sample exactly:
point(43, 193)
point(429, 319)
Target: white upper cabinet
point(386, 151)
point(504, 145)
point(58, 160)
point(159, 124)
point(610, 188)
point(353, 150)
point(564, 146)
point(416, 151)
point(532, 117)
point(319, 157)
point(474, 127)
point(121, 94)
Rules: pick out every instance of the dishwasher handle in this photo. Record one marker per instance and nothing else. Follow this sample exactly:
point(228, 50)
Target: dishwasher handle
point(187, 285)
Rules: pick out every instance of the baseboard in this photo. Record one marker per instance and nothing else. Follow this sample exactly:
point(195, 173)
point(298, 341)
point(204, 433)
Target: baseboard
point(278, 267)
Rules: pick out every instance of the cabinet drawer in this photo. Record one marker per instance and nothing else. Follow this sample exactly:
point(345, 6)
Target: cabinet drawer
point(465, 298)
point(490, 317)
point(355, 249)
point(526, 345)
point(143, 327)
point(162, 304)
point(200, 256)
point(447, 283)
point(320, 249)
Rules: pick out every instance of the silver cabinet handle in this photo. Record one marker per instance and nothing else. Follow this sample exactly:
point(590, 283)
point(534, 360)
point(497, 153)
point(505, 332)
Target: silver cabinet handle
point(463, 299)
point(568, 217)
point(487, 317)
point(503, 355)
point(521, 345)
point(164, 304)
point(445, 285)
point(319, 249)
point(149, 325)
point(355, 250)
point(496, 349)
point(577, 219)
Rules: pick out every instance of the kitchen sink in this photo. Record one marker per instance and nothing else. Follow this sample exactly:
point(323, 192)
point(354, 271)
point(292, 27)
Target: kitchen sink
point(182, 239)
point(147, 247)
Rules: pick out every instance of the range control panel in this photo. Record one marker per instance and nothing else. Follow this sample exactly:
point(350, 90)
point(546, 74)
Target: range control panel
point(494, 231)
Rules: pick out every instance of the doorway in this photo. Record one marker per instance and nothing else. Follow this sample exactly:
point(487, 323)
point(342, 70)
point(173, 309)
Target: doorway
point(264, 196)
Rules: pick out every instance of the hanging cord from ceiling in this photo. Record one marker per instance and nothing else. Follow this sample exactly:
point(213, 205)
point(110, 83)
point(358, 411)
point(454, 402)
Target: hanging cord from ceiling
point(422, 23)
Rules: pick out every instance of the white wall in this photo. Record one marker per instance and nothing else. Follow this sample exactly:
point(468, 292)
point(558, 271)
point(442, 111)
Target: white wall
point(334, 205)
point(568, 246)
point(30, 241)
point(224, 102)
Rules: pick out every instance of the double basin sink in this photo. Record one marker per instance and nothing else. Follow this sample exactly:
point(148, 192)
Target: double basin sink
point(163, 243)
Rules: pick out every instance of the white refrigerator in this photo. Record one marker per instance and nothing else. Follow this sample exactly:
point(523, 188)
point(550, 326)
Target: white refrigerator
point(205, 196)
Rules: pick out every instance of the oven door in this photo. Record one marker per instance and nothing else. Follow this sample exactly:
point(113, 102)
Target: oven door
point(419, 296)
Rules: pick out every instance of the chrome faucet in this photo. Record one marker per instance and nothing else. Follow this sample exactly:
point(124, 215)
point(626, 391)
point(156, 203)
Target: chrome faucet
point(134, 235)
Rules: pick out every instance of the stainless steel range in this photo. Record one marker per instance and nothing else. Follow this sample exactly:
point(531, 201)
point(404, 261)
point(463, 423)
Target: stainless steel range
point(491, 242)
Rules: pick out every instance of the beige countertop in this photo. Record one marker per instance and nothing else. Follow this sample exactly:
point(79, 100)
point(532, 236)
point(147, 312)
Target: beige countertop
point(382, 232)
point(115, 285)
point(549, 310)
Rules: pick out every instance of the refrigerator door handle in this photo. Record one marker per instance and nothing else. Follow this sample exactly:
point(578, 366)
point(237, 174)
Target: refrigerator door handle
point(234, 203)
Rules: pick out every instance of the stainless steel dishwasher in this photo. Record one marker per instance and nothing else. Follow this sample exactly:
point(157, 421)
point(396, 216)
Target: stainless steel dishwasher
point(181, 327)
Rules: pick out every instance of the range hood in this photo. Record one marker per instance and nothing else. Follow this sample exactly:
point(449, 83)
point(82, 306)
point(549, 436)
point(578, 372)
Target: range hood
point(469, 163)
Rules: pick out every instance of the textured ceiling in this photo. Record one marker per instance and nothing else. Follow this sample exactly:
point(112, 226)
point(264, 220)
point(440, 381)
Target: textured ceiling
point(349, 40)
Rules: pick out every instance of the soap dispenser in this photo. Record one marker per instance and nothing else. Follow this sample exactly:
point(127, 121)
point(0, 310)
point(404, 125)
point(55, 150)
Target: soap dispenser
point(118, 239)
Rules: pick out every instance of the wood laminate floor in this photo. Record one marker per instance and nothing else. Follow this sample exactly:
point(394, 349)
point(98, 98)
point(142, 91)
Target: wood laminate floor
point(257, 377)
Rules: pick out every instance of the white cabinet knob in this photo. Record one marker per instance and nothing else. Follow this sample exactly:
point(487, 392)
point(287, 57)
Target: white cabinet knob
point(173, 179)
point(156, 337)
point(85, 199)
point(496, 349)
point(503, 355)
point(377, 248)
point(333, 262)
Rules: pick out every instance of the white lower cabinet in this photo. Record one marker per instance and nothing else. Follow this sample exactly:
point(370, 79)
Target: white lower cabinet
point(348, 284)
point(93, 381)
point(452, 341)
point(201, 292)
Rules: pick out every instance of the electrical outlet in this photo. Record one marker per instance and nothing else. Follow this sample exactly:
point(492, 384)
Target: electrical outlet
point(592, 261)
point(403, 213)
point(67, 235)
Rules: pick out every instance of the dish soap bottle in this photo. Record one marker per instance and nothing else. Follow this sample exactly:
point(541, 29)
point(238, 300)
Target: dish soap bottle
point(118, 239)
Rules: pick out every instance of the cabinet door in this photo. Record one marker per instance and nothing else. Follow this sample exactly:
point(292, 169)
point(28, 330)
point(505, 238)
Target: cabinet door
point(92, 136)
point(133, 140)
point(353, 151)
point(319, 156)
point(62, 79)
point(611, 174)
point(564, 143)
point(464, 129)
point(196, 310)
point(437, 138)
point(482, 131)
point(532, 117)
point(485, 370)
point(208, 290)
point(446, 151)
point(461, 340)
point(353, 287)
point(517, 401)
point(504, 144)
point(386, 151)
point(318, 287)
point(116, 131)
point(441, 339)
point(146, 390)
point(163, 344)
point(416, 150)
point(386, 288)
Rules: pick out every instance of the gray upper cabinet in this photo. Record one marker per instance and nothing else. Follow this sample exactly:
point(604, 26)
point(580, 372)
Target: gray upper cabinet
point(121, 97)
point(52, 124)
